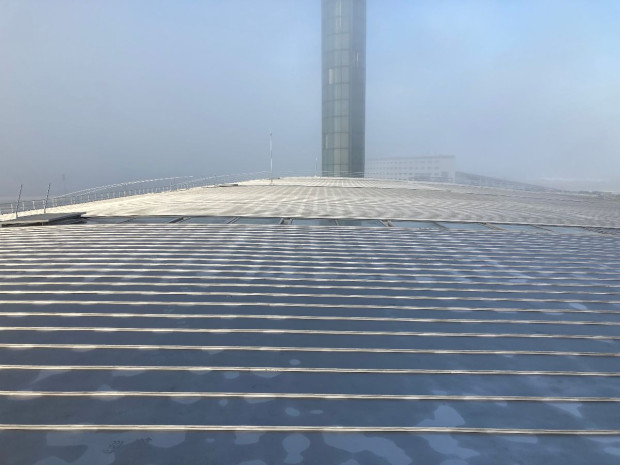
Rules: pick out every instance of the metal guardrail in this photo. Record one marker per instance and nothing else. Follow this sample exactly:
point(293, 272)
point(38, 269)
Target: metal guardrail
point(150, 186)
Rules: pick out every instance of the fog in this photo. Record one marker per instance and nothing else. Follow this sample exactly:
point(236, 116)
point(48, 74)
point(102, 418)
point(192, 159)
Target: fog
point(113, 91)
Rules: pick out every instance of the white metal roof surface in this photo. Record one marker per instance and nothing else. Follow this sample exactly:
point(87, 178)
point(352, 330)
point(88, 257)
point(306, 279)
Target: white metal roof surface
point(363, 198)
point(260, 344)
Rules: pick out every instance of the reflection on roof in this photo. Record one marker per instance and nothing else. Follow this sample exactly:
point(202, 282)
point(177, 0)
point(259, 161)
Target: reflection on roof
point(206, 342)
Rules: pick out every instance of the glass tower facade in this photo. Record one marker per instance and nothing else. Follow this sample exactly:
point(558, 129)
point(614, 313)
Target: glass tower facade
point(344, 87)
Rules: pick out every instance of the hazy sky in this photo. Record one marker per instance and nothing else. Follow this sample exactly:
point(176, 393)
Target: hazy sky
point(110, 91)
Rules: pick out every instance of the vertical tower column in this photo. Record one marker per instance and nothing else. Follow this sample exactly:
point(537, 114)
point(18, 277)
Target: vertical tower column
point(344, 87)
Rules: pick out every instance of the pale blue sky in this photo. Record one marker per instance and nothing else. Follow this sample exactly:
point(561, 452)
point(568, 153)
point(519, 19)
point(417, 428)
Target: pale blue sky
point(115, 90)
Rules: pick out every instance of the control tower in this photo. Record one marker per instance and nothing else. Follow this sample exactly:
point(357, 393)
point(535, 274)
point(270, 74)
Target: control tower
point(344, 87)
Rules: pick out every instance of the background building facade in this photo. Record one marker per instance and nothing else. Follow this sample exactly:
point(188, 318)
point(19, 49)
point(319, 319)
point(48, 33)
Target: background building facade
point(437, 168)
point(344, 87)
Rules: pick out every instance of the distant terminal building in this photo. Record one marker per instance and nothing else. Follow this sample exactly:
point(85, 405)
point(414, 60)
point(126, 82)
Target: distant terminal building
point(470, 179)
point(344, 87)
point(436, 168)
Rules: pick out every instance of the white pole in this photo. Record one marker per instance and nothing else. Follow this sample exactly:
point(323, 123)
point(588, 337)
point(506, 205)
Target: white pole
point(49, 186)
point(270, 159)
point(19, 198)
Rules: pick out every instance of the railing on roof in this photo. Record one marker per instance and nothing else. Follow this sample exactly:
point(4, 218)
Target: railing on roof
point(151, 186)
point(127, 189)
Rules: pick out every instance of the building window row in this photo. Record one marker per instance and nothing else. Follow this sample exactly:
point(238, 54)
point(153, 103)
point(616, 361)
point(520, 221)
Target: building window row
point(338, 41)
point(336, 140)
point(338, 75)
point(336, 124)
point(337, 91)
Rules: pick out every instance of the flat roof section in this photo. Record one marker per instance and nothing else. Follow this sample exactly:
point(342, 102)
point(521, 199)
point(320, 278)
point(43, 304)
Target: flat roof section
point(42, 219)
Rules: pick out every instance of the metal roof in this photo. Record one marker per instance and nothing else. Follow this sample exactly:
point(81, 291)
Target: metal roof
point(259, 344)
point(364, 198)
